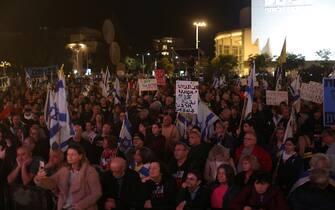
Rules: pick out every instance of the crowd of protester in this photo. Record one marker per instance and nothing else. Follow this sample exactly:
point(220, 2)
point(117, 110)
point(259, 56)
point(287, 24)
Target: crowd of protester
point(247, 166)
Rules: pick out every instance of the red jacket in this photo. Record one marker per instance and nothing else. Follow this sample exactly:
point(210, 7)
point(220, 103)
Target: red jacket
point(262, 156)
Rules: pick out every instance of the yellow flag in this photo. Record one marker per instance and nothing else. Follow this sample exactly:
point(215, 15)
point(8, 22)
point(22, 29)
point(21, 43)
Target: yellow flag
point(282, 58)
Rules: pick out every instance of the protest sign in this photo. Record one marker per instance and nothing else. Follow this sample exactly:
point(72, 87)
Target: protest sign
point(187, 96)
point(276, 97)
point(329, 101)
point(312, 91)
point(147, 84)
point(160, 77)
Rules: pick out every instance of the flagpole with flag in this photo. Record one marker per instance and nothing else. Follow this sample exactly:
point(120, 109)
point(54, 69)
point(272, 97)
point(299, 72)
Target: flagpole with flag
point(250, 91)
point(57, 115)
point(280, 72)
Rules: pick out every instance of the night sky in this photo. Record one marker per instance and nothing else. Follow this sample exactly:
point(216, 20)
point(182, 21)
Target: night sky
point(137, 22)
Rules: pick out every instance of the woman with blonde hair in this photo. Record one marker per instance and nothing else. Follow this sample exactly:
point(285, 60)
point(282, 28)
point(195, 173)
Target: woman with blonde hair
point(250, 165)
point(217, 156)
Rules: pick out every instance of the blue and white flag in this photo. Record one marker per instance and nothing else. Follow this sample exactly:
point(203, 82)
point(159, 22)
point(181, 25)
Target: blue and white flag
point(291, 125)
point(183, 120)
point(294, 89)
point(117, 91)
point(250, 92)
point(279, 76)
point(205, 120)
point(125, 135)
point(219, 82)
point(105, 83)
point(29, 83)
point(57, 116)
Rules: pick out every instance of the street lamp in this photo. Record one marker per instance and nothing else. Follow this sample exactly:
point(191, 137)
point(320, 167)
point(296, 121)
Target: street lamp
point(77, 48)
point(4, 65)
point(142, 55)
point(197, 25)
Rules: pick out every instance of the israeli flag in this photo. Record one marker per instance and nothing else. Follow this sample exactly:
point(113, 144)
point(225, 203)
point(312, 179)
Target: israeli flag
point(250, 92)
point(205, 120)
point(57, 116)
point(125, 135)
point(183, 120)
point(294, 89)
point(117, 91)
point(105, 83)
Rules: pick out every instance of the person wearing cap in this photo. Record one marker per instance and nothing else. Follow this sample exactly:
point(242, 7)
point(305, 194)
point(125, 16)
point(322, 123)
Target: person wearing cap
point(199, 150)
point(138, 143)
point(261, 195)
point(193, 195)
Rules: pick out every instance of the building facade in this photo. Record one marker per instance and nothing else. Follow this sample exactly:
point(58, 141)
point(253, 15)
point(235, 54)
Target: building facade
point(165, 45)
point(237, 43)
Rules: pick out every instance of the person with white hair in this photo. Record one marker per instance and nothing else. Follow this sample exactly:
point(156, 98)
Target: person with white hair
point(315, 194)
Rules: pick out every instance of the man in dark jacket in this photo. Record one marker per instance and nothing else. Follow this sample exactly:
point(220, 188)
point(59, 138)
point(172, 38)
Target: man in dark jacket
point(317, 194)
point(194, 195)
point(122, 187)
point(199, 150)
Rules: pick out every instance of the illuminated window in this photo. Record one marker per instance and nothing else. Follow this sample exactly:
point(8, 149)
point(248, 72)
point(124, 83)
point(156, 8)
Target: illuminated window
point(226, 50)
point(164, 47)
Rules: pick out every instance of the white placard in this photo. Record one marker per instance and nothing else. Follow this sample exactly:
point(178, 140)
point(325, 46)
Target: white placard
point(276, 97)
point(312, 91)
point(187, 96)
point(147, 84)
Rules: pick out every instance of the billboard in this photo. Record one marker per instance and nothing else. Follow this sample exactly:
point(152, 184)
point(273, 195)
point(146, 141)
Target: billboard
point(305, 23)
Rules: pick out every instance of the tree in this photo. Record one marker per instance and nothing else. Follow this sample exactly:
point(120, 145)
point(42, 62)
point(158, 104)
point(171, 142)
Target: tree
point(325, 64)
point(226, 65)
point(167, 65)
point(294, 62)
point(262, 61)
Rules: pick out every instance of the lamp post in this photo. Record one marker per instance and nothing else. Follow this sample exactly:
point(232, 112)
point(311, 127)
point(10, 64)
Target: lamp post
point(197, 25)
point(142, 56)
point(4, 65)
point(77, 48)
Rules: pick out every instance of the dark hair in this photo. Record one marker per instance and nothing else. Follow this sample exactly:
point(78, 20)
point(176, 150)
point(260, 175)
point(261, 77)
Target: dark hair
point(293, 140)
point(146, 154)
point(195, 173)
point(251, 123)
point(262, 177)
point(111, 141)
point(162, 168)
point(80, 151)
point(229, 171)
point(183, 144)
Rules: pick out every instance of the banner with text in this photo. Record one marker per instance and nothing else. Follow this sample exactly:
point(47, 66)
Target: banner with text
point(276, 97)
point(312, 91)
point(147, 84)
point(160, 77)
point(329, 101)
point(187, 96)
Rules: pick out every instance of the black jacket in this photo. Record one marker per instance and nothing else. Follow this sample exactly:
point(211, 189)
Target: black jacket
point(311, 197)
point(131, 194)
point(162, 195)
point(289, 172)
point(200, 202)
